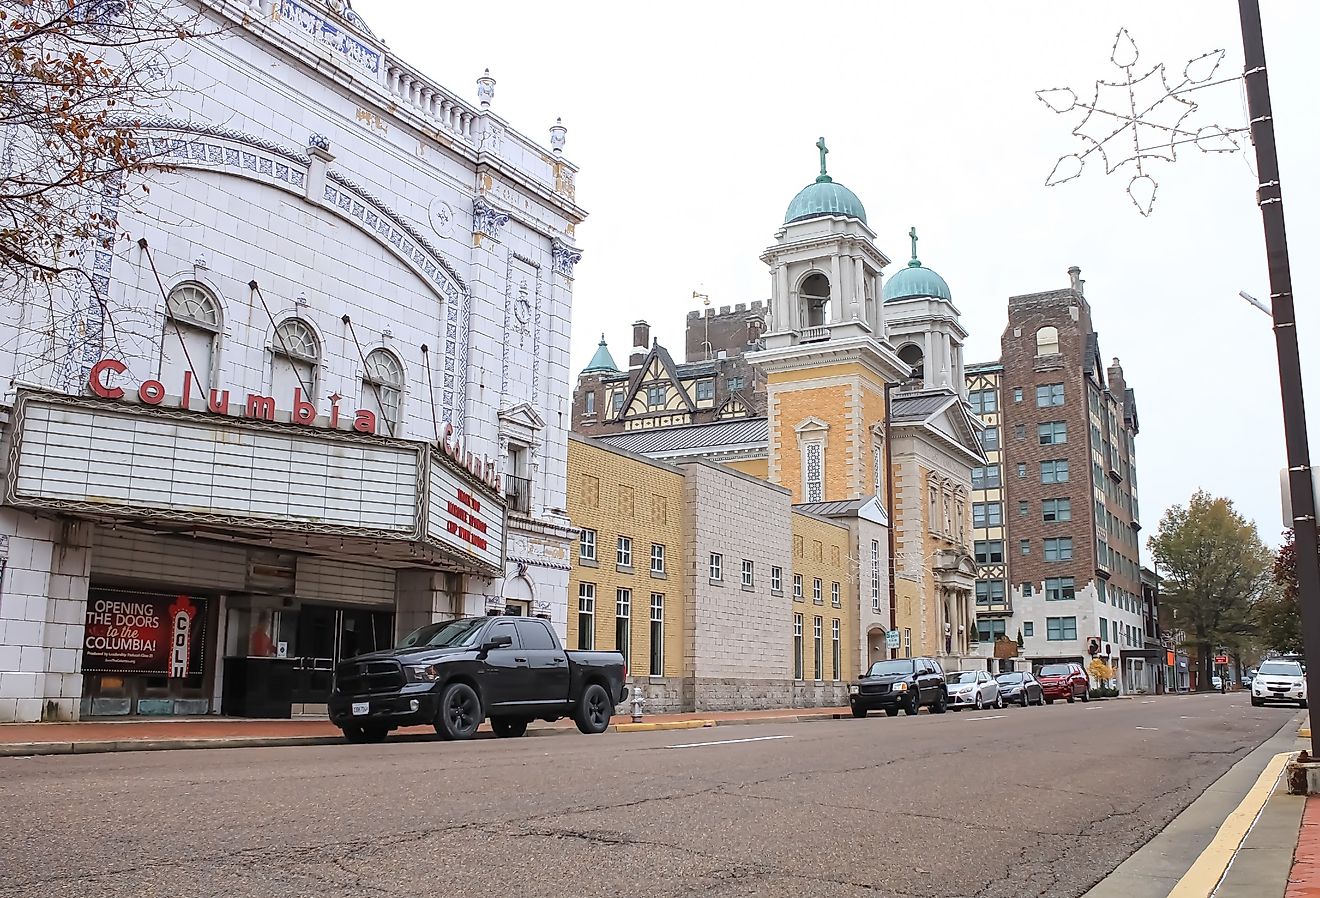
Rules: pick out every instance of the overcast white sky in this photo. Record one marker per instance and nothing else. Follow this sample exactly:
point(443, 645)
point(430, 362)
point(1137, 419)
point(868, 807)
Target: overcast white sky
point(694, 124)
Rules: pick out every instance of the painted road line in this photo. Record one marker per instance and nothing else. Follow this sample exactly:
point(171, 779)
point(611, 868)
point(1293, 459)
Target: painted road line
point(728, 741)
point(1148, 728)
point(991, 717)
point(1204, 876)
point(1148, 701)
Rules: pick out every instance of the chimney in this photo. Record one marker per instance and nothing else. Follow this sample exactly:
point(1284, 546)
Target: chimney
point(1075, 277)
point(641, 335)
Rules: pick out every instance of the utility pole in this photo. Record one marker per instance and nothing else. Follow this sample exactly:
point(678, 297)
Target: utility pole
point(1270, 199)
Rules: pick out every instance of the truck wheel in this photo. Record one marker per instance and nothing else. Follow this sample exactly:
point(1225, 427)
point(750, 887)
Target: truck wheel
point(858, 712)
point(460, 712)
point(592, 714)
point(365, 735)
point(891, 712)
point(941, 704)
point(913, 705)
point(508, 727)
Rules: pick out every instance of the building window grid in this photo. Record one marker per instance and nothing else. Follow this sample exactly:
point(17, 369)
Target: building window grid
point(797, 647)
point(586, 616)
point(1053, 510)
point(623, 552)
point(797, 587)
point(776, 579)
point(1060, 629)
point(657, 634)
point(987, 514)
point(622, 622)
point(1058, 548)
point(837, 646)
point(875, 574)
point(587, 545)
point(1060, 589)
point(1050, 433)
point(748, 579)
point(716, 567)
point(1054, 471)
point(819, 648)
point(817, 591)
point(657, 558)
point(834, 595)
point(1049, 395)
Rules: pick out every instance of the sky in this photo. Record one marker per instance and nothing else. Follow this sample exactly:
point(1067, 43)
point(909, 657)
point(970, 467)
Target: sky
point(694, 125)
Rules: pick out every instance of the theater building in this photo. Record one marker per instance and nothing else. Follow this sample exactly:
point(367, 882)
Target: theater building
point(311, 396)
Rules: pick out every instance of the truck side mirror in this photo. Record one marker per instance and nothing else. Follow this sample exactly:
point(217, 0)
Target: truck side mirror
point(496, 642)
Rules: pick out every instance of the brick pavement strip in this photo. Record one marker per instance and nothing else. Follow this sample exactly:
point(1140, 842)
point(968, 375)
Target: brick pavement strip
point(1304, 880)
point(91, 737)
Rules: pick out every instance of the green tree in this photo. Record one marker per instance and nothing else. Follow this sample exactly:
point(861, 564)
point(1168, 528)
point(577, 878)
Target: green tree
point(1214, 569)
point(1278, 615)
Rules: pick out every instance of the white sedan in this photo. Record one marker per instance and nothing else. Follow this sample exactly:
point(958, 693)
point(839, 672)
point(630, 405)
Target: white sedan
point(974, 689)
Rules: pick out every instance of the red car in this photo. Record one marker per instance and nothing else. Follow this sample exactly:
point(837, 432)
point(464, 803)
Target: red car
point(1067, 681)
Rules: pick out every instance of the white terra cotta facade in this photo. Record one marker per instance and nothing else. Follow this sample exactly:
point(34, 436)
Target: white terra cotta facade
point(336, 232)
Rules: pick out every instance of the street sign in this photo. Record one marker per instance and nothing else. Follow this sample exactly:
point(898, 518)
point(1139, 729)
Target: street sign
point(1221, 659)
point(891, 639)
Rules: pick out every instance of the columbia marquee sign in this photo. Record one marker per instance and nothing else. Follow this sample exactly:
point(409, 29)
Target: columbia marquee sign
point(102, 458)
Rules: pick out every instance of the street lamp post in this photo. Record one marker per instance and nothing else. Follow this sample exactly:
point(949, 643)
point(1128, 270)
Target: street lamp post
point(1269, 197)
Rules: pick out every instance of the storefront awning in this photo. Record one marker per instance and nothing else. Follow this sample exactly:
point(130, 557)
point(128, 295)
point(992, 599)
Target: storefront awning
point(320, 491)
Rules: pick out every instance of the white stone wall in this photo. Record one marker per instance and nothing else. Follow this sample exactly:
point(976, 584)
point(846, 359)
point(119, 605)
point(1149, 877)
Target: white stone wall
point(1086, 607)
point(735, 633)
point(428, 222)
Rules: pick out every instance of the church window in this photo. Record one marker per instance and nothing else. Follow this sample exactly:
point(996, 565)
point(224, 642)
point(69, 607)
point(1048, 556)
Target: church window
point(814, 471)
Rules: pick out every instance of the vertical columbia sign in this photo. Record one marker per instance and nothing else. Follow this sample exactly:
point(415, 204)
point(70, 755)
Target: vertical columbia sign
point(182, 613)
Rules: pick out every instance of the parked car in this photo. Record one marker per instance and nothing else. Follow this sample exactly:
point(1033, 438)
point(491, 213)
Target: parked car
point(972, 689)
point(454, 674)
point(1279, 681)
point(1248, 676)
point(1021, 688)
point(904, 683)
point(1066, 681)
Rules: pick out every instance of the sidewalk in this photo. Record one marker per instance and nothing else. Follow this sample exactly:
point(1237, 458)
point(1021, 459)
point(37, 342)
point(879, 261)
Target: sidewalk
point(89, 737)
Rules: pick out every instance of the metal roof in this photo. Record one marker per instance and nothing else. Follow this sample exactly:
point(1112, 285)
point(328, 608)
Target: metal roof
point(907, 407)
point(750, 433)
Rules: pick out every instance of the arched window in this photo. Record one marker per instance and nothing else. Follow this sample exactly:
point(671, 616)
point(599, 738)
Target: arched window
point(815, 292)
point(1047, 341)
point(912, 356)
point(295, 355)
point(192, 331)
point(382, 387)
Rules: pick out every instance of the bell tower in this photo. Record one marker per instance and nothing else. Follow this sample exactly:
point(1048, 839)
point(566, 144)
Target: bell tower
point(827, 357)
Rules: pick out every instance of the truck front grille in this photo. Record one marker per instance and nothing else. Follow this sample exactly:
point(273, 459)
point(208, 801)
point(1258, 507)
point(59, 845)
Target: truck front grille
point(367, 677)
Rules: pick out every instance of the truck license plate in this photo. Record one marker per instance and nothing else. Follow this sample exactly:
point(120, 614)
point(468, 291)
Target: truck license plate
point(361, 708)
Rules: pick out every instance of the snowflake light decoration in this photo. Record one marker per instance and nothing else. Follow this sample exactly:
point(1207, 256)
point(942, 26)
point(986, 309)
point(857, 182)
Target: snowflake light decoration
point(1139, 120)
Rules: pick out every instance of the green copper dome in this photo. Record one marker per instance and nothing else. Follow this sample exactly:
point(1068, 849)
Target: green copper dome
point(602, 360)
point(824, 197)
point(916, 281)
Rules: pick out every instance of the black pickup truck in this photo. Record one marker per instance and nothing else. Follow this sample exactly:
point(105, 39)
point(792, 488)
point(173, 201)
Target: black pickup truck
point(454, 674)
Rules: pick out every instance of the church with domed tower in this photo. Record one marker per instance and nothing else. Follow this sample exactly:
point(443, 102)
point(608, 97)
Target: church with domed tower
point(865, 421)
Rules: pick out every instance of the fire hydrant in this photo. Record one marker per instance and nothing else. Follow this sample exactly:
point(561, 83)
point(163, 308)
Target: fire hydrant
point(637, 702)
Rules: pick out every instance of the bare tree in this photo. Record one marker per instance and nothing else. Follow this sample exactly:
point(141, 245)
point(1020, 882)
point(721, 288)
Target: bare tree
point(76, 79)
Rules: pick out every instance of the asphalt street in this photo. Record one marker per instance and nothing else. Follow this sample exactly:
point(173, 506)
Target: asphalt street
point(997, 804)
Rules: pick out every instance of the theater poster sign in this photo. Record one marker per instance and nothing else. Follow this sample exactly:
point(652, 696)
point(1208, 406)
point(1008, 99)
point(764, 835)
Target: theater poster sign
point(143, 633)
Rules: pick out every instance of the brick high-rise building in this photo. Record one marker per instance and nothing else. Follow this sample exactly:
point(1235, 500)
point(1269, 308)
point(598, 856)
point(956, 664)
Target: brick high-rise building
point(1067, 468)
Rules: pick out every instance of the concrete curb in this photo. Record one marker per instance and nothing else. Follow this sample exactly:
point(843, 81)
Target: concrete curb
point(662, 725)
point(30, 749)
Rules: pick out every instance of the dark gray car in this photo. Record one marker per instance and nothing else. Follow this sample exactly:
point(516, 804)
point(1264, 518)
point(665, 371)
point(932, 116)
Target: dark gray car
point(1020, 688)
